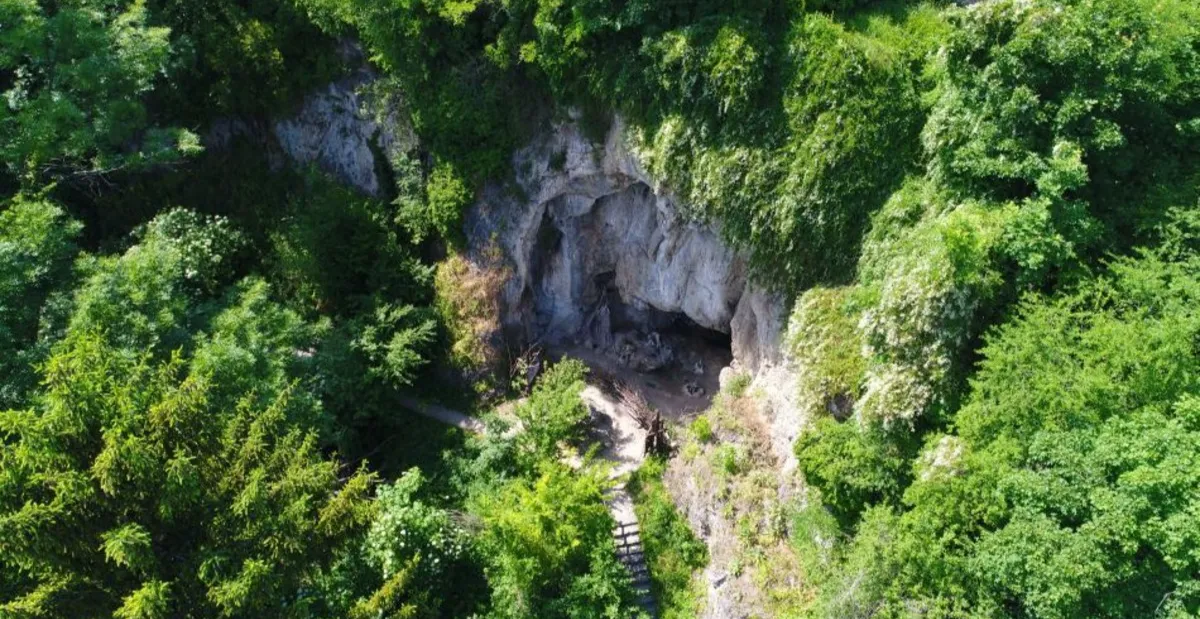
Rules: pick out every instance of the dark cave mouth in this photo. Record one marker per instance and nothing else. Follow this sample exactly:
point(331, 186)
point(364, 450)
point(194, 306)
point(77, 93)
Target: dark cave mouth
point(574, 304)
point(672, 360)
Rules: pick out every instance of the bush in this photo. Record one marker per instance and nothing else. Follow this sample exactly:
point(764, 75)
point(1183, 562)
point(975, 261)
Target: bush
point(853, 468)
point(211, 248)
point(554, 412)
point(396, 342)
point(673, 552)
point(729, 459)
point(410, 534)
point(448, 196)
point(467, 298)
point(825, 342)
point(738, 386)
point(370, 262)
point(548, 545)
point(143, 300)
point(702, 429)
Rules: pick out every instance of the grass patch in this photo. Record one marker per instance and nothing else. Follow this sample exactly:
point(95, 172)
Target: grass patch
point(737, 387)
point(673, 552)
point(702, 429)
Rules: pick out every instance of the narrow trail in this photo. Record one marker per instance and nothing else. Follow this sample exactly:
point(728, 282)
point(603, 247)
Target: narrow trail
point(443, 414)
point(623, 443)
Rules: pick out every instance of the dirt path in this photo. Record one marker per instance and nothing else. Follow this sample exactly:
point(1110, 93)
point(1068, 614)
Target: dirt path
point(444, 415)
point(623, 442)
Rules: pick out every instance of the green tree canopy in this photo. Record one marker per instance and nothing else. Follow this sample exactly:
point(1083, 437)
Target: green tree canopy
point(1069, 489)
point(548, 547)
point(135, 488)
point(37, 247)
point(74, 76)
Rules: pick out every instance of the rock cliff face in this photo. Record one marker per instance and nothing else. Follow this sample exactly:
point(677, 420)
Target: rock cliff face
point(586, 224)
point(345, 130)
point(351, 129)
point(586, 227)
point(589, 220)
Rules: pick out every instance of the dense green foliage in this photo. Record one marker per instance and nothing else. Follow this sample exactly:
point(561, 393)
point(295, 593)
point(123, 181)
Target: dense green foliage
point(548, 548)
point(173, 458)
point(553, 413)
point(74, 74)
point(1068, 487)
point(789, 128)
point(673, 552)
point(37, 245)
point(1058, 134)
point(176, 457)
point(985, 215)
point(545, 544)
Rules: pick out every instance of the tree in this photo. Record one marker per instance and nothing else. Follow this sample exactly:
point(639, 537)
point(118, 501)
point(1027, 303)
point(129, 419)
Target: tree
point(37, 247)
point(239, 58)
point(1068, 489)
point(131, 489)
point(553, 414)
point(147, 298)
point(1073, 103)
point(548, 547)
point(174, 463)
point(74, 76)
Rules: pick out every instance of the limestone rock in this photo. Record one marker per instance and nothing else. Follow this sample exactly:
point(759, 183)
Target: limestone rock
point(588, 225)
point(726, 377)
point(342, 128)
point(597, 217)
point(589, 221)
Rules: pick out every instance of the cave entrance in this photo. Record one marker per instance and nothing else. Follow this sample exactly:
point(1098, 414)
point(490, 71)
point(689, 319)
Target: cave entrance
point(666, 357)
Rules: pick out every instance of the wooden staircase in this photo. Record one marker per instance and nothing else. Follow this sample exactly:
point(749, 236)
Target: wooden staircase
point(633, 557)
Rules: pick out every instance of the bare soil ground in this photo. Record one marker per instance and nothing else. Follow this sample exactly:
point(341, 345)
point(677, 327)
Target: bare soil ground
point(663, 389)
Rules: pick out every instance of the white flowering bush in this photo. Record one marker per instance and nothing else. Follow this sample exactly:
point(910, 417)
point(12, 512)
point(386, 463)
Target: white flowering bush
point(207, 246)
point(930, 280)
point(826, 347)
point(912, 335)
point(942, 458)
point(408, 528)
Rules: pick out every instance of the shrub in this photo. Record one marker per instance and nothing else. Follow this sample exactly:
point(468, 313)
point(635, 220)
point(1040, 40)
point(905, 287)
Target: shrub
point(738, 386)
point(447, 196)
point(408, 531)
point(825, 343)
point(728, 459)
point(702, 429)
point(370, 261)
point(467, 298)
point(554, 412)
point(853, 468)
point(673, 552)
point(210, 247)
